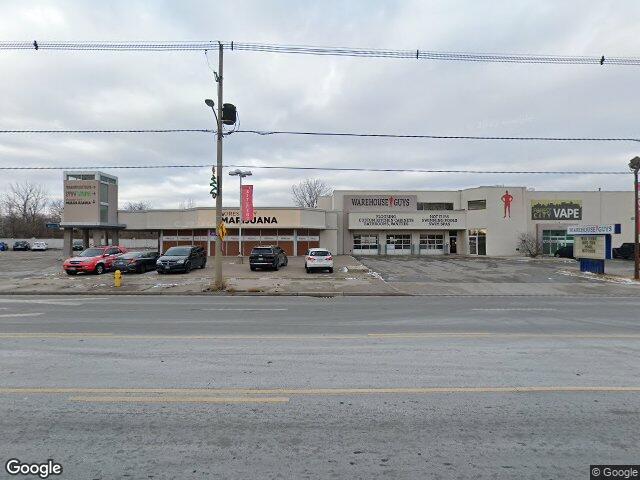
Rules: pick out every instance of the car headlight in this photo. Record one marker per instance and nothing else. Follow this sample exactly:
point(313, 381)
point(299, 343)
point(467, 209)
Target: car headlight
point(180, 261)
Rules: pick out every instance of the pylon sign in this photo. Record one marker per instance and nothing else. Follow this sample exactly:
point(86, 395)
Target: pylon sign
point(221, 230)
point(214, 186)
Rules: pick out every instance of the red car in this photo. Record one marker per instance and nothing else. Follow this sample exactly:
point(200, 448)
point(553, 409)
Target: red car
point(93, 260)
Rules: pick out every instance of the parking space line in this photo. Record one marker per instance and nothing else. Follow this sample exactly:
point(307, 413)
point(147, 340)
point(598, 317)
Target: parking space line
point(34, 314)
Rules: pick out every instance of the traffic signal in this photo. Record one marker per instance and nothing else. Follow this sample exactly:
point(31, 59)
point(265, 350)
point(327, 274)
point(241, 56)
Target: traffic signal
point(214, 186)
point(229, 114)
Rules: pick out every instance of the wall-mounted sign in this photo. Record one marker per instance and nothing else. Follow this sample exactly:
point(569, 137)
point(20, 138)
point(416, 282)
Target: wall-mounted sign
point(408, 221)
point(232, 217)
point(590, 246)
point(385, 203)
point(591, 229)
point(556, 209)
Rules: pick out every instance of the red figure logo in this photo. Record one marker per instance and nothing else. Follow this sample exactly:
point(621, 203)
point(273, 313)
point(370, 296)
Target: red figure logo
point(507, 198)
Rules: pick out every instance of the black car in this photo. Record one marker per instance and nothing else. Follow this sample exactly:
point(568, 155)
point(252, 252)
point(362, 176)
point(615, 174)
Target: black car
point(78, 246)
point(564, 252)
point(626, 251)
point(181, 259)
point(21, 245)
point(267, 257)
point(138, 262)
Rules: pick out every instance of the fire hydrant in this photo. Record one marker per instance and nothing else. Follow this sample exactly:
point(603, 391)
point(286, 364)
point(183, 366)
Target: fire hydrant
point(117, 279)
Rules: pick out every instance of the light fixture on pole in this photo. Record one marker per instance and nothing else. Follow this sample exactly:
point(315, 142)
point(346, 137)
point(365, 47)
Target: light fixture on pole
point(634, 165)
point(240, 174)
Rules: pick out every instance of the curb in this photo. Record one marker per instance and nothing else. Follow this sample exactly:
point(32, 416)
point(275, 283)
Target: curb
point(310, 294)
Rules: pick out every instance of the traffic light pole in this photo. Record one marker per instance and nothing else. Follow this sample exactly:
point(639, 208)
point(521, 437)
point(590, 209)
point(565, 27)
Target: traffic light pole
point(218, 283)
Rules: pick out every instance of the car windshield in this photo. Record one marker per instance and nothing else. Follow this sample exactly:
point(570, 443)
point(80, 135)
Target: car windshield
point(260, 251)
point(319, 253)
point(91, 252)
point(178, 251)
point(131, 255)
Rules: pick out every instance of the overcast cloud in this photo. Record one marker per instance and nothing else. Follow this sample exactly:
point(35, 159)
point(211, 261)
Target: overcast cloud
point(103, 90)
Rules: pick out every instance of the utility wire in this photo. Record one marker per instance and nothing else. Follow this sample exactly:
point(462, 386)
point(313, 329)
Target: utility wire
point(417, 54)
point(333, 134)
point(329, 169)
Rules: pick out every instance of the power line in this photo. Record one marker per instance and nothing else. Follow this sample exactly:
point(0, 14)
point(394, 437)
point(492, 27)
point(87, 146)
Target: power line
point(329, 169)
point(442, 137)
point(417, 54)
point(333, 134)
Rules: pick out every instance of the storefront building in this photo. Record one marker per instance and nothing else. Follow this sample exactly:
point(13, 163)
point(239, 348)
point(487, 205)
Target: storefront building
point(475, 221)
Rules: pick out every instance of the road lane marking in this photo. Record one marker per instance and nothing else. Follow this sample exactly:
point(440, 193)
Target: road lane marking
point(183, 399)
point(378, 336)
point(11, 315)
point(213, 392)
point(245, 309)
point(515, 309)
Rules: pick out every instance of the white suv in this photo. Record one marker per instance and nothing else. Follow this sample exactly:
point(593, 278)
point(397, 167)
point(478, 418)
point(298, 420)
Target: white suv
point(318, 259)
point(42, 246)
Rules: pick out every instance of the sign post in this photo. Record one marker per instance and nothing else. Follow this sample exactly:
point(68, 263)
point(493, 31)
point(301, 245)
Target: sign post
point(592, 245)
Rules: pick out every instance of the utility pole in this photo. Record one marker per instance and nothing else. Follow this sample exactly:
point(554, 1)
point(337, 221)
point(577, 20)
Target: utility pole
point(634, 165)
point(218, 282)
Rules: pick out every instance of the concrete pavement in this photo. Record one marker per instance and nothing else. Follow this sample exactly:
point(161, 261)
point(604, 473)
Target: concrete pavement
point(405, 387)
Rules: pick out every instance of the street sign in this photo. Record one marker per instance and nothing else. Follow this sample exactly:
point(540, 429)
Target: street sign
point(221, 231)
point(53, 226)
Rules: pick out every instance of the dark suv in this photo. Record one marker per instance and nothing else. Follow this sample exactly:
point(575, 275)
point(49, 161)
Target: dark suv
point(267, 257)
point(21, 245)
point(626, 251)
point(181, 259)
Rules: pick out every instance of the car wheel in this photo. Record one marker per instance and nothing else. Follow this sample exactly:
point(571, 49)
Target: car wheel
point(187, 267)
point(99, 269)
point(70, 272)
point(204, 264)
point(307, 269)
point(276, 266)
point(286, 262)
point(160, 272)
point(331, 270)
point(556, 255)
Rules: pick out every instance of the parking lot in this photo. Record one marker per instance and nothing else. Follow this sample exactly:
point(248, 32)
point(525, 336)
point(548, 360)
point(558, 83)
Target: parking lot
point(491, 275)
point(41, 272)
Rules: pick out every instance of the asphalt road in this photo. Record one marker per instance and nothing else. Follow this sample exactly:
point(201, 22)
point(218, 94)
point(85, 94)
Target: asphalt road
point(259, 387)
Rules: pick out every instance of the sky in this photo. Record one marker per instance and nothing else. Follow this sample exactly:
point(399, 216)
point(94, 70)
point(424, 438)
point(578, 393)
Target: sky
point(131, 90)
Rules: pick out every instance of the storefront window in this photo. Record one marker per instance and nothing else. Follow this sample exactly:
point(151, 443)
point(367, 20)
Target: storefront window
point(365, 242)
point(478, 241)
point(432, 241)
point(398, 242)
point(552, 240)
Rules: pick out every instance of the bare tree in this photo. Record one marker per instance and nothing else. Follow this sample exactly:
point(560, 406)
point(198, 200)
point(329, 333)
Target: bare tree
point(308, 191)
point(25, 201)
point(137, 206)
point(529, 245)
point(187, 203)
point(56, 208)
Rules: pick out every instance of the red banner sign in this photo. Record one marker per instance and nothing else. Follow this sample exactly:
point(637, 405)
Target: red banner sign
point(247, 203)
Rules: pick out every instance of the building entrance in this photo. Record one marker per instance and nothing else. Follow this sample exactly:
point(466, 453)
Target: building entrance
point(478, 241)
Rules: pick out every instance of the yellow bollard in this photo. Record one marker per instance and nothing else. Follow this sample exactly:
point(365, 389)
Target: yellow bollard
point(117, 279)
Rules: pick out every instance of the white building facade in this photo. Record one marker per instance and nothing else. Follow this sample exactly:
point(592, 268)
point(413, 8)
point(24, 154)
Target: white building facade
point(475, 221)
